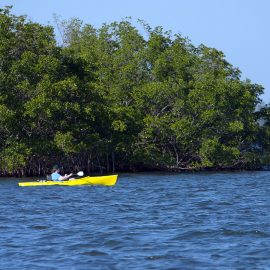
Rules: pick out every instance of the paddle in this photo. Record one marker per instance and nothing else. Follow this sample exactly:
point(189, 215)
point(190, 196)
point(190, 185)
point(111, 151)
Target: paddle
point(80, 173)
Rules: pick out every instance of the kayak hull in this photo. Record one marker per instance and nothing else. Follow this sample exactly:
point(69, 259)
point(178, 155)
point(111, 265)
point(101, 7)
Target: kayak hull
point(108, 180)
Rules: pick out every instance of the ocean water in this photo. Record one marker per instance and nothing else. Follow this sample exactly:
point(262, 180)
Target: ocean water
point(147, 221)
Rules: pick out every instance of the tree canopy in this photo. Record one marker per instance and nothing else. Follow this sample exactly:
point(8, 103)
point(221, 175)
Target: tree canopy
point(115, 99)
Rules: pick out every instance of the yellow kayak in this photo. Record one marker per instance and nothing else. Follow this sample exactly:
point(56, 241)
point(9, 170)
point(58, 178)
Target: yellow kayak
point(109, 180)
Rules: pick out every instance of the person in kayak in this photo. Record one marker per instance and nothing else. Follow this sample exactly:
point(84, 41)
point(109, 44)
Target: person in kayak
point(56, 176)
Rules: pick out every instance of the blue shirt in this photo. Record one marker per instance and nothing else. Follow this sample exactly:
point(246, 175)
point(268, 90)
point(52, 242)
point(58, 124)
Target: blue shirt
point(55, 176)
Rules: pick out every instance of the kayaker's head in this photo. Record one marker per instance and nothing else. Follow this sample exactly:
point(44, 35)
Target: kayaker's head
point(55, 168)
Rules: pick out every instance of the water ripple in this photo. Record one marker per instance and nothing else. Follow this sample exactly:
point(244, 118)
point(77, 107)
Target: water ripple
point(147, 221)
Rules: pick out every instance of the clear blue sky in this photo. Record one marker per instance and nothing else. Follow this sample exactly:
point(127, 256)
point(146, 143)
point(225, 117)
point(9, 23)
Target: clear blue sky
point(239, 28)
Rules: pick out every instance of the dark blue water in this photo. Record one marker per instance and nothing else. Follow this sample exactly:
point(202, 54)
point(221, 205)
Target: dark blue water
point(147, 221)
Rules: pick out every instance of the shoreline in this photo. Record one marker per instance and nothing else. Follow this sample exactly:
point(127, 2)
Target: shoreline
point(171, 171)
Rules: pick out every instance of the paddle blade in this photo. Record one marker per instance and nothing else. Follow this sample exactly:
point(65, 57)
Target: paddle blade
point(80, 173)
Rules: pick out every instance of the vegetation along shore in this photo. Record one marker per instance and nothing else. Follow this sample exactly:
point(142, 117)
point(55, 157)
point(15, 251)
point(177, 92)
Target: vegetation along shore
point(122, 99)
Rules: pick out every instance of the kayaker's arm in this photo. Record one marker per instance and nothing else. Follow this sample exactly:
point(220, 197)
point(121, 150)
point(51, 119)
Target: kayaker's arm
point(65, 177)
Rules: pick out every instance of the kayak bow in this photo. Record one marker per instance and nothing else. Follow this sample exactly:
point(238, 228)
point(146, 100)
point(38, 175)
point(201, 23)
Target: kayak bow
point(109, 180)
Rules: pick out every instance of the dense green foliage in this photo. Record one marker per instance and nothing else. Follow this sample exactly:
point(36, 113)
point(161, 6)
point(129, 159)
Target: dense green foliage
point(114, 99)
